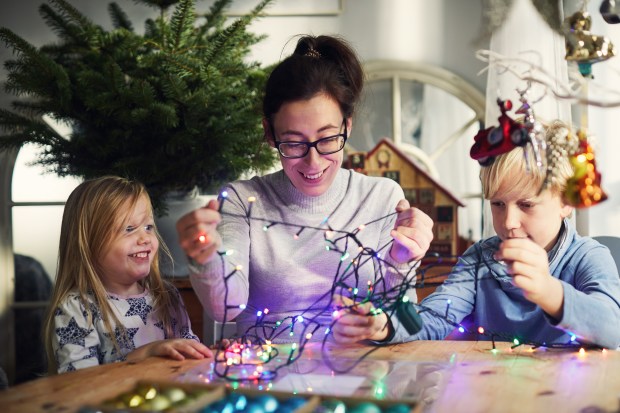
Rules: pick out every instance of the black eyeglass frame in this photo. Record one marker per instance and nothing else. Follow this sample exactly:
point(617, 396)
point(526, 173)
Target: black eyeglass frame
point(314, 144)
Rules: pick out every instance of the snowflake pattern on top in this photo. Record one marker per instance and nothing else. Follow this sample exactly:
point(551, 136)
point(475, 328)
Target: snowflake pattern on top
point(78, 344)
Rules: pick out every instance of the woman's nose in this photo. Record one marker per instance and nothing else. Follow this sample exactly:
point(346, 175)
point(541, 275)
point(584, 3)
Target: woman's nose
point(312, 156)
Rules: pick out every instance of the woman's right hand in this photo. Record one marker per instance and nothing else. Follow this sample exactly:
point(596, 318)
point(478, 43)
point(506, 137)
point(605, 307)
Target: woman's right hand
point(198, 234)
point(355, 322)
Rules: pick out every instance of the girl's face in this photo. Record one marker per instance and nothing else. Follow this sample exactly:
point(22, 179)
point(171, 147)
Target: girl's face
point(131, 251)
point(309, 121)
point(522, 213)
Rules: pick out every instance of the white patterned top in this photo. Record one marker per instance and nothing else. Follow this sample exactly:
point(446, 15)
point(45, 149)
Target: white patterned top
point(78, 344)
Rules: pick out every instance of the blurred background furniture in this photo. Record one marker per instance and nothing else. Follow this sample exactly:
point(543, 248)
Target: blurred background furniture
point(613, 243)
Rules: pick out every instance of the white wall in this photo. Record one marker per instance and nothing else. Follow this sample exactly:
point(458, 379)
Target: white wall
point(440, 32)
point(604, 219)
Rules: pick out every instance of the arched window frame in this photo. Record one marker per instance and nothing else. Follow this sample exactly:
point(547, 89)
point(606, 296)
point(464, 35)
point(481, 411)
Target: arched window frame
point(396, 70)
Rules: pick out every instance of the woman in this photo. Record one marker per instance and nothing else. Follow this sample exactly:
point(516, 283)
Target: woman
point(308, 108)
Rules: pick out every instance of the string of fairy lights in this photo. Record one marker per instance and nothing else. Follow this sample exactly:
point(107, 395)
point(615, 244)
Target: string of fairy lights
point(254, 346)
point(252, 355)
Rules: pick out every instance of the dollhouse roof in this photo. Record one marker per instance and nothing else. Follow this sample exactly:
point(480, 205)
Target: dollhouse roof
point(415, 166)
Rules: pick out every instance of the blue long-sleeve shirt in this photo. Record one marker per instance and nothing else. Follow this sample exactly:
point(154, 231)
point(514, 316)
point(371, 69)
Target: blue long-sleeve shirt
point(480, 287)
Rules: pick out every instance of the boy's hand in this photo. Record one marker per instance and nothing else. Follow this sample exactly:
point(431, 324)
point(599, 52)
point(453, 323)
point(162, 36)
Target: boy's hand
point(412, 233)
point(355, 322)
point(197, 232)
point(528, 264)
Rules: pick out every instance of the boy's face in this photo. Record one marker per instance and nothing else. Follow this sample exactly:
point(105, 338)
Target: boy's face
point(522, 213)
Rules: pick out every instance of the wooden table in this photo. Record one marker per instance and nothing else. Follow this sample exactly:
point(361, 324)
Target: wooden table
point(479, 379)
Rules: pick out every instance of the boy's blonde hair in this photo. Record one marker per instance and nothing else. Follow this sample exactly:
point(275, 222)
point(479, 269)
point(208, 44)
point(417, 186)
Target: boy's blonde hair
point(519, 167)
point(89, 225)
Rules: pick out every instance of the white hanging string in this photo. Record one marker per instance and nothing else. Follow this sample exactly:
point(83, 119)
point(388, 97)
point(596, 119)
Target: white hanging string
point(572, 92)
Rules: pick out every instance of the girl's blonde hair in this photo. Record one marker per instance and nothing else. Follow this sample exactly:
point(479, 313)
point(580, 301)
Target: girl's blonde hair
point(89, 225)
point(518, 166)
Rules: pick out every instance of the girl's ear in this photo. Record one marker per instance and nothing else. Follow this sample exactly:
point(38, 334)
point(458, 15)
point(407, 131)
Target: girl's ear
point(268, 133)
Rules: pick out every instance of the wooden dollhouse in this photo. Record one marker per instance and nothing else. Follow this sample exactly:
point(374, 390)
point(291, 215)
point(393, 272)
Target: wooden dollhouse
point(421, 190)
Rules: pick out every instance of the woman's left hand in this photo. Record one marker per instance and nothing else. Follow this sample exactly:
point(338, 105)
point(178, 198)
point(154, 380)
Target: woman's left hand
point(412, 233)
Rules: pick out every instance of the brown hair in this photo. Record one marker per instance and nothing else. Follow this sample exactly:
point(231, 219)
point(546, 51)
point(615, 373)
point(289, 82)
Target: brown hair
point(323, 64)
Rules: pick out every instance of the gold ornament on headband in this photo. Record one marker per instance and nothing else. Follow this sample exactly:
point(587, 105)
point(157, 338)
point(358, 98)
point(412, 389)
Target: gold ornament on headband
point(559, 147)
point(584, 188)
point(582, 46)
point(313, 53)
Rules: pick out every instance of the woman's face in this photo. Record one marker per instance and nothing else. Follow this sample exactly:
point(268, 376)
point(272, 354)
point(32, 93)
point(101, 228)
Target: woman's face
point(309, 121)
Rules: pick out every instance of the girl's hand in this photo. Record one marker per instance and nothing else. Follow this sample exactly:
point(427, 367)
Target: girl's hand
point(528, 264)
point(176, 349)
point(356, 323)
point(412, 233)
point(197, 232)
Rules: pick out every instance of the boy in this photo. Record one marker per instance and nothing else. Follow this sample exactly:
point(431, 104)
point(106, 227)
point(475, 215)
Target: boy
point(537, 280)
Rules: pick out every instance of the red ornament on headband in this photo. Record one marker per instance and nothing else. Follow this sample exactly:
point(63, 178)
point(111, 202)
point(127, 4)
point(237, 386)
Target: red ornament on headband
point(493, 141)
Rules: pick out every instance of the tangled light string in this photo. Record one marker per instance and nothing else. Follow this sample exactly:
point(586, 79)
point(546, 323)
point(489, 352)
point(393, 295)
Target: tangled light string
point(237, 356)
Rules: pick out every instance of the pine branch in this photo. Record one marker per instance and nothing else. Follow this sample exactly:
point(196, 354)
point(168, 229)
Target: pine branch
point(215, 17)
point(182, 24)
point(232, 32)
point(172, 114)
point(72, 14)
point(66, 30)
point(120, 20)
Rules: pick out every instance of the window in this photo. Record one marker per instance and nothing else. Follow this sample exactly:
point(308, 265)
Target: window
point(432, 115)
point(34, 200)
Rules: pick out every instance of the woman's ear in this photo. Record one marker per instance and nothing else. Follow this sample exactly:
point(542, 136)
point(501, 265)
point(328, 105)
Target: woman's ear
point(268, 133)
point(349, 126)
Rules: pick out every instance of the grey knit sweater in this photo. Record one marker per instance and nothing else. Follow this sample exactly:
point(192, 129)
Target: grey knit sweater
point(292, 274)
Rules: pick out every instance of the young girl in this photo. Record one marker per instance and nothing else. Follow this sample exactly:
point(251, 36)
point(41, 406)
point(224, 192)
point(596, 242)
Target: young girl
point(110, 302)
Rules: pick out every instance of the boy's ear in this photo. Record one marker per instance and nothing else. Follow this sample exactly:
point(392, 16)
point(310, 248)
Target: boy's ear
point(268, 133)
point(566, 210)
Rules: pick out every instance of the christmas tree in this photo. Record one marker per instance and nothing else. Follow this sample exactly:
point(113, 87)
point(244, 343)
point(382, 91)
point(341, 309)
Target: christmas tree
point(177, 107)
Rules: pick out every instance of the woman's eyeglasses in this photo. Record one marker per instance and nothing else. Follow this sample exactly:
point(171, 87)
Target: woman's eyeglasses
point(324, 146)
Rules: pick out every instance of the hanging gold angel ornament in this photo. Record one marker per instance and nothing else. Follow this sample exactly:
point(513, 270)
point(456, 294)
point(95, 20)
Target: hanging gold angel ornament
point(584, 188)
point(582, 46)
